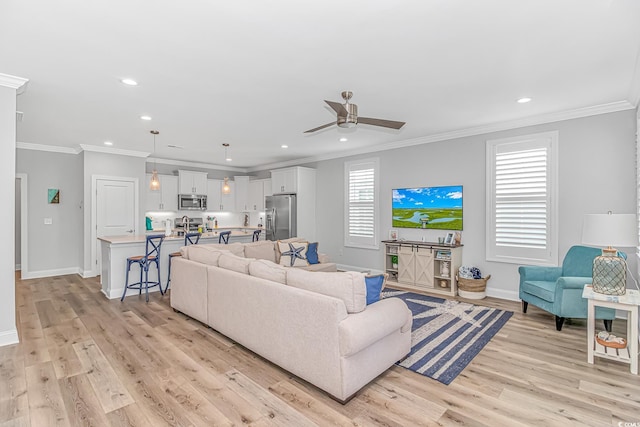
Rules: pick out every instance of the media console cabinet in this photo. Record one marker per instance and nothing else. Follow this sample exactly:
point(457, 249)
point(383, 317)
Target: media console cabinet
point(423, 266)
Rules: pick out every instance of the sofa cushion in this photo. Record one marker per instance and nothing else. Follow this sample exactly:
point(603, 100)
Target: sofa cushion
point(234, 263)
point(375, 284)
point(312, 253)
point(268, 270)
point(348, 286)
point(204, 254)
point(263, 249)
point(293, 254)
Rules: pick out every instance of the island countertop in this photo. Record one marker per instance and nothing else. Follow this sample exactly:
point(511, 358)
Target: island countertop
point(127, 238)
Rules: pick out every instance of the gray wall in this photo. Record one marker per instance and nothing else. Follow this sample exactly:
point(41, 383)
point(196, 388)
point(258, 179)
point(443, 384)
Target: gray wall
point(596, 174)
point(55, 247)
point(114, 165)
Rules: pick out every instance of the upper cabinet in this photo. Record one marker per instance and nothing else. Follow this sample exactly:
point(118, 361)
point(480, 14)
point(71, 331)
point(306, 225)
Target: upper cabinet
point(284, 180)
point(165, 199)
point(258, 190)
point(192, 182)
point(242, 193)
point(218, 202)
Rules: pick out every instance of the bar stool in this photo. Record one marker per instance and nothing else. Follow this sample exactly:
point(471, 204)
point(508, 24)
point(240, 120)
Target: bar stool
point(152, 255)
point(189, 239)
point(224, 237)
point(256, 235)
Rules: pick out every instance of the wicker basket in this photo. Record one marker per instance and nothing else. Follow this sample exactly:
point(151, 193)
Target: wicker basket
point(472, 288)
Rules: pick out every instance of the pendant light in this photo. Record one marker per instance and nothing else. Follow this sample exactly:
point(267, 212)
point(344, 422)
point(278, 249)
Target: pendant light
point(226, 188)
point(154, 185)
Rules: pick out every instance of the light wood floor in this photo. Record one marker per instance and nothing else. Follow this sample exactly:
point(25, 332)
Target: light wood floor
point(85, 360)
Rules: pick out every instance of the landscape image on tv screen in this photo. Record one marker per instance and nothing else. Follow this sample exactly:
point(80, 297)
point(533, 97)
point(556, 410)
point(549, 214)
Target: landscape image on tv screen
point(428, 207)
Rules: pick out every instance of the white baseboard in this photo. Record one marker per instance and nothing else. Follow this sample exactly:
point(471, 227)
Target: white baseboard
point(9, 337)
point(503, 294)
point(49, 273)
point(85, 274)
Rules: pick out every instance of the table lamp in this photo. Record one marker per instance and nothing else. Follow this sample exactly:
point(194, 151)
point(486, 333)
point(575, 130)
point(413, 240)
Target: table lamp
point(610, 270)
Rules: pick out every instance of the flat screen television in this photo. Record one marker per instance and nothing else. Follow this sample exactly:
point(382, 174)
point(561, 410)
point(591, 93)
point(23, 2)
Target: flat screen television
point(428, 207)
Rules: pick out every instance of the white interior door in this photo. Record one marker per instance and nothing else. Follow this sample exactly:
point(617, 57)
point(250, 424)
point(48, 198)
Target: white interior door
point(115, 210)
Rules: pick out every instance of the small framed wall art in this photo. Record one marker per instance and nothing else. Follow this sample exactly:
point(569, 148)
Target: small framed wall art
point(393, 234)
point(53, 195)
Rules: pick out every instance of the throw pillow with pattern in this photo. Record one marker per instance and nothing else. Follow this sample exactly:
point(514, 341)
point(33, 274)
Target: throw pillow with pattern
point(293, 254)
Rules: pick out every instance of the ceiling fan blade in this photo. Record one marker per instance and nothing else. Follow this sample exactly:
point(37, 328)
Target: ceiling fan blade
point(320, 127)
point(337, 107)
point(380, 122)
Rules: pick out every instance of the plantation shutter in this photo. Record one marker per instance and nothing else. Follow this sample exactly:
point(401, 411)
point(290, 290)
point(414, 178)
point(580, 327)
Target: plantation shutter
point(361, 203)
point(521, 190)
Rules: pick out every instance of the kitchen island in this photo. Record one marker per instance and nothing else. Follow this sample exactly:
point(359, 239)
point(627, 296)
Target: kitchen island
point(116, 249)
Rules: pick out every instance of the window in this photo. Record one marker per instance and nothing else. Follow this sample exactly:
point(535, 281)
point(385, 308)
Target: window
point(361, 200)
point(521, 199)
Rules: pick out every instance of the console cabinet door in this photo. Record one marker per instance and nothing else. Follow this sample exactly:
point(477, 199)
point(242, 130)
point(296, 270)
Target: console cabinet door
point(406, 265)
point(424, 267)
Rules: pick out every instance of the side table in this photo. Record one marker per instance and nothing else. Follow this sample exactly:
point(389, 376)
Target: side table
point(628, 302)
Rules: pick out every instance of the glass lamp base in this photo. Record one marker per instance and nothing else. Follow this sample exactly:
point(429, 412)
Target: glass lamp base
point(609, 275)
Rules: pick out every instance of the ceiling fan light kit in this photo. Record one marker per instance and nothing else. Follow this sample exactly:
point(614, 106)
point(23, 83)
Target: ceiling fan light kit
point(347, 116)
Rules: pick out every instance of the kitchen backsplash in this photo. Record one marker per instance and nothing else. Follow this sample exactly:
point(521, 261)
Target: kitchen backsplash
point(225, 219)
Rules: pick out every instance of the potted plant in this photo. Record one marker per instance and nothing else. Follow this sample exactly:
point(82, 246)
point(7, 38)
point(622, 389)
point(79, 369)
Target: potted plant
point(394, 261)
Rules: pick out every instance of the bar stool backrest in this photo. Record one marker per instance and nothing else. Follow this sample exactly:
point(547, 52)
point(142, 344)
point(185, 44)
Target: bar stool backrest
point(152, 246)
point(224, 237)
point(256, 235)
point(191, 238)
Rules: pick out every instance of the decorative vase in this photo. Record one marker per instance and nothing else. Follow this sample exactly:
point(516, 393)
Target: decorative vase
point(444, 269)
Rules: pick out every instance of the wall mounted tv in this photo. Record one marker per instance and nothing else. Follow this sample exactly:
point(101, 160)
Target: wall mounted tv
point(428, 207)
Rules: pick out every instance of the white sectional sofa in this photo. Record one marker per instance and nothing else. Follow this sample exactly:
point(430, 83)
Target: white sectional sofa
point(314, 324)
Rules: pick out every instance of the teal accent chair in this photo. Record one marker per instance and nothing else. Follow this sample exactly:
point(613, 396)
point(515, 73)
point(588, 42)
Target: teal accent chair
point(558, 290)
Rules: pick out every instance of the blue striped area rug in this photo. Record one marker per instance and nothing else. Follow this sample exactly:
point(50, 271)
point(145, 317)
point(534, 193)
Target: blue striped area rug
point(446, 335)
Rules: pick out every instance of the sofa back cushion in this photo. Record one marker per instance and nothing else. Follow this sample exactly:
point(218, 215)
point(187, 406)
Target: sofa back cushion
point(268, 270)
point(204, 254)
point(262, 249)
point(234, 263)
point(349, 286)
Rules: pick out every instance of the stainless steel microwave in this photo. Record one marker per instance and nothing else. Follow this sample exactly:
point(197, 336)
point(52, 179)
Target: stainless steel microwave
point(192, 202)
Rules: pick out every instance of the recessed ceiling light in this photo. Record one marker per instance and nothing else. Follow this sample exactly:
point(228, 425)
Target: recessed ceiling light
point(145, 117)
point(284, 146)
point(524, 100)
point(129, 82)
point(108, 143)
point(343, 139)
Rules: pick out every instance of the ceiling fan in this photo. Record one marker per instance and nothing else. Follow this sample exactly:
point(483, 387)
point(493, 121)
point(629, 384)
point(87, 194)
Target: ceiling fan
point(348, 116)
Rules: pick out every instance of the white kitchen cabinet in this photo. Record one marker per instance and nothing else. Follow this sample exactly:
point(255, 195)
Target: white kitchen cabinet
point(192, 182)
point(284, 180)
point(216, 201)
point(241, 193)
point(165, 199)
point(258, 190)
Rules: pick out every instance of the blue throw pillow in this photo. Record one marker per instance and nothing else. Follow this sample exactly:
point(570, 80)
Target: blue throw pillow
point(312, 253)
point(374, 287)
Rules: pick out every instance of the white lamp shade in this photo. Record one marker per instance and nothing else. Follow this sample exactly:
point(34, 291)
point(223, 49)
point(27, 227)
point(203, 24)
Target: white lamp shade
point(615, 230)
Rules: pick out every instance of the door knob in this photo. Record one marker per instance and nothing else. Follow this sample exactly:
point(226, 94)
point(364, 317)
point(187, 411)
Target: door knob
point(129, 231)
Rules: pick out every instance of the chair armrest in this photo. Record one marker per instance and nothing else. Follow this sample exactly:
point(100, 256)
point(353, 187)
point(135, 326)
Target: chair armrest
point(360, 330)
point(533, 272)
point(572, 282)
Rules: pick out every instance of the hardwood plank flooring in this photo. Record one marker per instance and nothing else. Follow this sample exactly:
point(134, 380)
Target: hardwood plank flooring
point(85, 360)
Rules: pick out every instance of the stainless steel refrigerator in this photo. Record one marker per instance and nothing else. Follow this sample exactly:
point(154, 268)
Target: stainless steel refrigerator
point(280, 214)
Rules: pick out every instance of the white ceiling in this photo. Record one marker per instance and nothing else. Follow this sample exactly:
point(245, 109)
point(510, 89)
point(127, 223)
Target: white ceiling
point(254, 74)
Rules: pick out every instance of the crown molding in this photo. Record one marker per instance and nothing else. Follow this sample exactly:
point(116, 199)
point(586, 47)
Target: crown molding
point(49, 148)
point(474, 131)
point(14, 82)
point(119, 151)
point(197, 165)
